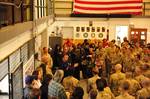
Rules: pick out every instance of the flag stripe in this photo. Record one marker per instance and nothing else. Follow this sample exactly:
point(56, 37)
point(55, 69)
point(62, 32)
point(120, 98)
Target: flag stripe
point(105, 12)
point(111, 8)
point(105, 6)
point(108, 3)
point(135, 13)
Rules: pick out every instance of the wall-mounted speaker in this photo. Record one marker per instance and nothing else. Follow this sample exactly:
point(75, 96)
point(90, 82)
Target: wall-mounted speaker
point(90, 23)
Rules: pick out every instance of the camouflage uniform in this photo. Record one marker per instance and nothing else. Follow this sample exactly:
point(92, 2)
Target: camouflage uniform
point(134, 86)
point(115, 81)
point(144, 92)
point(104, 95)
point(127, 96)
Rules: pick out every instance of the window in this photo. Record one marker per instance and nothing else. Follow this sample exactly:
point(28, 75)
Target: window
point(28, 10)
point(43, 8)
point(121, 32)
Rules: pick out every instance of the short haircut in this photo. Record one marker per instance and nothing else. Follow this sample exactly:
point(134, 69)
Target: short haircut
point(125, 85)
point(100, 85)
point(93, 94)
point(78, 93)
point(104, 81)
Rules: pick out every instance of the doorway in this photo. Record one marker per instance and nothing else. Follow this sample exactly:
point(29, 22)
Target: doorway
point(138, 35)
point(121, 32)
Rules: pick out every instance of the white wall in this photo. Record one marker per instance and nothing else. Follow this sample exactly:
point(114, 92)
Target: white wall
point(110, 23)
point(74, 23)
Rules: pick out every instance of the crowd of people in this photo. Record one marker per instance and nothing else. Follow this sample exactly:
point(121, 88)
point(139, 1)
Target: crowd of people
point(111, 71)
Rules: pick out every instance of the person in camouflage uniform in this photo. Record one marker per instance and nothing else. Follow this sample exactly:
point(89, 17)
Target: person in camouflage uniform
point(125, 87)
point(134, 85)
point(102, 94)
point(116, 78)
point(145, 91)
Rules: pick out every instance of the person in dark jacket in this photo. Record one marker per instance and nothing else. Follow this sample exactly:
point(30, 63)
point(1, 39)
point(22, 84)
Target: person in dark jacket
point(44, 87)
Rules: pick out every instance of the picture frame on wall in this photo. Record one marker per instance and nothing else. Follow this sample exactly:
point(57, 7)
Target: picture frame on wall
point(87, 29)
point(93, 29)
point(98, 29)
point(82, 29)
point(77, 29)
point(103, 29)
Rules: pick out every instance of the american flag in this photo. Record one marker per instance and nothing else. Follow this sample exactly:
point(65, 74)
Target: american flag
point(108, 7)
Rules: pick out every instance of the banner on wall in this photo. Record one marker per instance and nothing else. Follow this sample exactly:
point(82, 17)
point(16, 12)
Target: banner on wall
point(28, 68)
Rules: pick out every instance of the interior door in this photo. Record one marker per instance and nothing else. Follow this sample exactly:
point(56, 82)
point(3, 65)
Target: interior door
point(138, 35)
